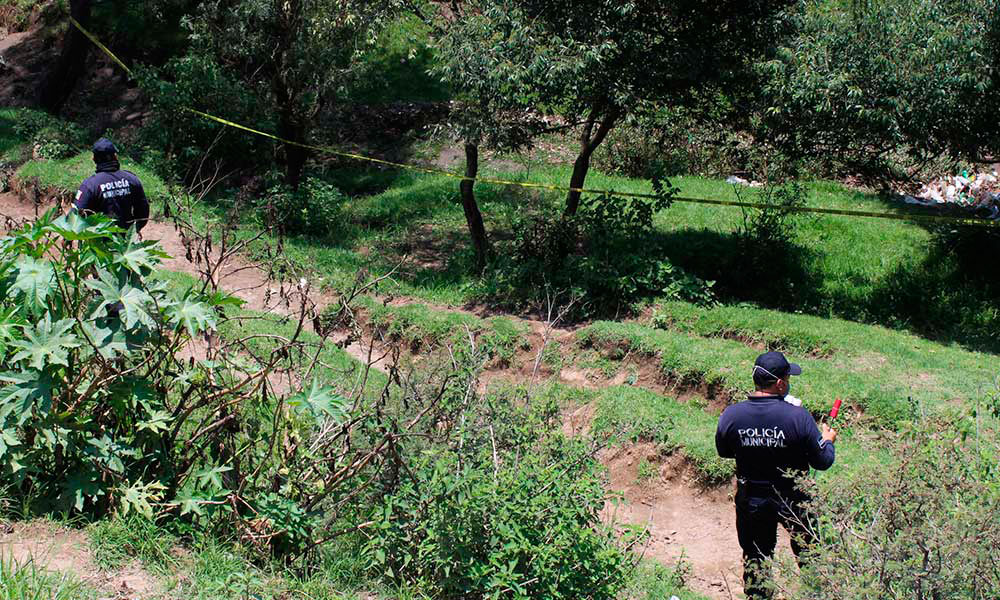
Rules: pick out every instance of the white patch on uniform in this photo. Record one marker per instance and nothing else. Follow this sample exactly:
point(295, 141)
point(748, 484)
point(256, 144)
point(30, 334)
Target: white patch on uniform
point(78, 194)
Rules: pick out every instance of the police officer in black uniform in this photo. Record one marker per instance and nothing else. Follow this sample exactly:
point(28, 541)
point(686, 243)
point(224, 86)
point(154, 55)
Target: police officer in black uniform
point(112, 190)
point(772, 441)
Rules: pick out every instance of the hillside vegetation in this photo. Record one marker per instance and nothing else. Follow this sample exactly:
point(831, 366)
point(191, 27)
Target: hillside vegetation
point(363, 381)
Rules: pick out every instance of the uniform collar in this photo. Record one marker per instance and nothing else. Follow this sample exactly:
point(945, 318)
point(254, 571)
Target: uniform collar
point(753, 398)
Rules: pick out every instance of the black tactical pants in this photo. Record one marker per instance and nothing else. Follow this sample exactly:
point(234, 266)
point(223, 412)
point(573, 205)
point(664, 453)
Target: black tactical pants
point(759, 510)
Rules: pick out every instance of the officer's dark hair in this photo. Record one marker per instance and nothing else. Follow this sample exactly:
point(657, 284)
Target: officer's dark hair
point(763, 385)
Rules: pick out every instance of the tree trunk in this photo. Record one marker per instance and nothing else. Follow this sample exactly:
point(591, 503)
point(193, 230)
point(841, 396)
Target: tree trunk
point(472, 214)
point(286, 87)
point(588, 143)
point(58, 85)
point(295, 156)
point(290, 127)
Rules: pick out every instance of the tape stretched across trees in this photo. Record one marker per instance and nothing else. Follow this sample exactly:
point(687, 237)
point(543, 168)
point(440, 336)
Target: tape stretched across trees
point(330, 151)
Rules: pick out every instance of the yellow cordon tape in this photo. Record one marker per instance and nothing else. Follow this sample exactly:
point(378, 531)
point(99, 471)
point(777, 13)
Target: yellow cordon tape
point(557, 188)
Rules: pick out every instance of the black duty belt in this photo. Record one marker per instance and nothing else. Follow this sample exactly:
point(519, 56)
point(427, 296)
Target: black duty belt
point(765, 487)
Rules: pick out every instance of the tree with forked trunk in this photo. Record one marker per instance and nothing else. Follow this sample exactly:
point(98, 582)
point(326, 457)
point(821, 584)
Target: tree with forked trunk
point(623, 57)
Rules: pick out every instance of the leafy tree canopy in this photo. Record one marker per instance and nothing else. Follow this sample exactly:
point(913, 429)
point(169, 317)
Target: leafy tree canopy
point(863, 81)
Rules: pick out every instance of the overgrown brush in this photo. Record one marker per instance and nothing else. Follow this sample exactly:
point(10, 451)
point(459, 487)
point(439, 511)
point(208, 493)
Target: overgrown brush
point(510, 508)
point(48, 137)
point(925, 527)
point(111, 408)
point(108, 407)
point(592, 257)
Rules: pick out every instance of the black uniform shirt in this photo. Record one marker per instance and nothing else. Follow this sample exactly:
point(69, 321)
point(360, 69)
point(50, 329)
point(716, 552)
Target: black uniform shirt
point(768, 436)
point(116, 193)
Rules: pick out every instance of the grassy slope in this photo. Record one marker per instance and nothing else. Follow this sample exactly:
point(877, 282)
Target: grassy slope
point(849, 260)
point(67, 174)
point(876, 367)
point(879, 374)
point(840, 258)
point(419, 326)
point(863, 269)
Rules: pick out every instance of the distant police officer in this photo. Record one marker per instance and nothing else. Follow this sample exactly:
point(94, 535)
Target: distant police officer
point(772, 441)
point(112, 190)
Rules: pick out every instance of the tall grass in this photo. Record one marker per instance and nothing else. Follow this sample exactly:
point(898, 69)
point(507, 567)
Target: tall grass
point(29, 581)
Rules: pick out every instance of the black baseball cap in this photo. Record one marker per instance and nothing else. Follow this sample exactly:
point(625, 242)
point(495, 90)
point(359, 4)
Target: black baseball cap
point(772, 366)
point(104, 147)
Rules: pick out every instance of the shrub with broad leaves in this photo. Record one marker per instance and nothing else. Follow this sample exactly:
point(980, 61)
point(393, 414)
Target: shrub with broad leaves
point(104, 405)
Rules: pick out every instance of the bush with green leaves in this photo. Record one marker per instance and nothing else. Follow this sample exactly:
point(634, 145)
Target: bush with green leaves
point(175, 140)
point(49, 137)
point(85, 422)
point(509, 509)
point(592, 256)
point(101, 411)
point(923, 526)
point(315, 208)
point(767, 233)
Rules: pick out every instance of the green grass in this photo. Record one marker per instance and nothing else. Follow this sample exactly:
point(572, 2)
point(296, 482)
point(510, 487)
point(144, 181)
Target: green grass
point(10, 142)
point(398, 65)
point(891, 377)
point(29, 581)
point(654, 581)
point(424, 328)
point(866, 270)
point(67, 174)
point(335, 366)
point(931, 373)
point(212, 569)
point(116, 541)
point(631, 414)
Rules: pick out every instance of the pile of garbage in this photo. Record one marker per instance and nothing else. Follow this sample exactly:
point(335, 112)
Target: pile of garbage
point(978, 193)
point(734, 180)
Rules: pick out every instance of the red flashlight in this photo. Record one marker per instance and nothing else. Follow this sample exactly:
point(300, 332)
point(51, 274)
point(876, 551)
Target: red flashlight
point(836, 409)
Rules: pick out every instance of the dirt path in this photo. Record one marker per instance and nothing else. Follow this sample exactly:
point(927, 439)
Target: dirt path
point(683, 519)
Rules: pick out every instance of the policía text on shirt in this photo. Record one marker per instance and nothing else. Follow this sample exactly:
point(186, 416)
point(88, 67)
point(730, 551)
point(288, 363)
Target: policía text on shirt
point(768, 437)
point(115, 185)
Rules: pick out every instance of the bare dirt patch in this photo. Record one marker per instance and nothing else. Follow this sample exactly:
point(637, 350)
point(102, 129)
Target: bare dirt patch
point(16, 212)
point(683, 519)
point(63, 550)
point(577, 421)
